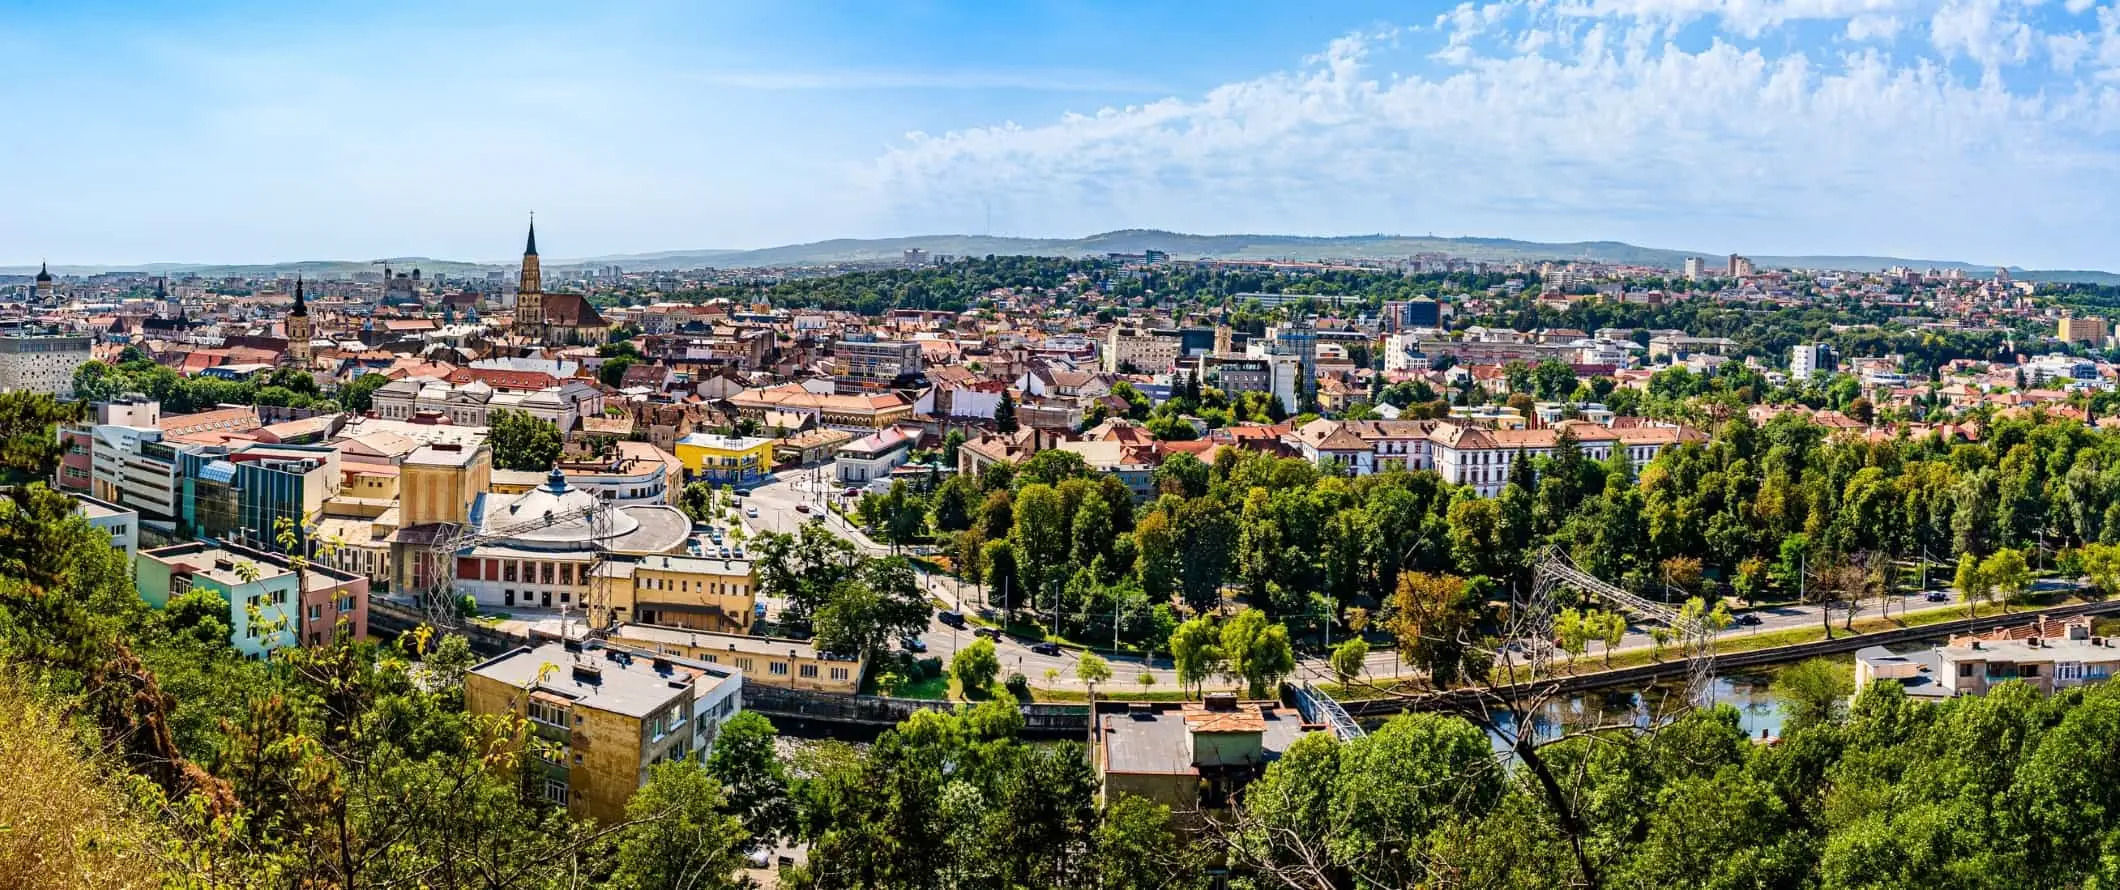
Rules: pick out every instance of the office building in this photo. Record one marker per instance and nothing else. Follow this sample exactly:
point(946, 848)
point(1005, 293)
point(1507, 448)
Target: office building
point(2078, 329)
point(1693, 268)
point(1140, 350)
point(42, 364)
point(867, 364)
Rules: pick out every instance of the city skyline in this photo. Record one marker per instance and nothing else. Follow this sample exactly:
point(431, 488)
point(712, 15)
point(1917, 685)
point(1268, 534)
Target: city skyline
point(1958, 130)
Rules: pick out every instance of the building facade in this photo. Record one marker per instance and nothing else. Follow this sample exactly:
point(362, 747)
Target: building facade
point(42, 364)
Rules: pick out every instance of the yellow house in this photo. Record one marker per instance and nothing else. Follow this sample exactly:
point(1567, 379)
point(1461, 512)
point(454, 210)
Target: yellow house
point(695, 593)
point(739, 460)
point(768, 661)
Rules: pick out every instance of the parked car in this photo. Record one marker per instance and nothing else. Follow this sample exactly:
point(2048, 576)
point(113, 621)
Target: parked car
point(1046, 648)
point(751, 512)
point(1747, 618)
point(953, 619)
point(851, 492)
point(989, 633)
point(758, 857)
point(802, 508)
point(1936, 596)
point(915, 644)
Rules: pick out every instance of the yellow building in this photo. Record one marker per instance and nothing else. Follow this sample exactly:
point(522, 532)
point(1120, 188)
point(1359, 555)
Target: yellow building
point(739, 460)
point(601, 716)
point(690, 592)
point(2075, 329)
point(789, 664)
point(436, 486)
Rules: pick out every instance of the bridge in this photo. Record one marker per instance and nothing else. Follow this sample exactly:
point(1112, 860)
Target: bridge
point(1318, 707)
point(1556, 565)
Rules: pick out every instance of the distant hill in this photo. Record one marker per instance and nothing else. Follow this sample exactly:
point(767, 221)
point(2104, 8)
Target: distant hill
point(1177, 244)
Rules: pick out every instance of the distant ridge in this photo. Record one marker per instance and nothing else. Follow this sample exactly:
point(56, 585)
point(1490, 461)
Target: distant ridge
point(1178, 245)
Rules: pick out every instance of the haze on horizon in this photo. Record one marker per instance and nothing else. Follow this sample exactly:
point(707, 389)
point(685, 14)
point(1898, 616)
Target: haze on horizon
point(231, 132)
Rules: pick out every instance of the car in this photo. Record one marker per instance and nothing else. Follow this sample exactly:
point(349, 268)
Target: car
point(851, 492)
point(802, 508)
point(915, 644)
point(724, 553)
point(1747, 618)
point(988, 632)
point(1936, 596)
point(1046, 648)
point(742, 492)
point(751, 512)
point(758, 857)
point(953, 619)
point(737, 551)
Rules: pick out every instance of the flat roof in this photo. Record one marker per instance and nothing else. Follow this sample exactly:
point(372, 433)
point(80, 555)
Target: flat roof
point(721, 642)
point(697, 565)
point(623, 683)
point(2023, 650)
point(1158, 740)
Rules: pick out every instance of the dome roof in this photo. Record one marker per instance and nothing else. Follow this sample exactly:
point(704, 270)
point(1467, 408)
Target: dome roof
point(44, 274)
point(552, 499)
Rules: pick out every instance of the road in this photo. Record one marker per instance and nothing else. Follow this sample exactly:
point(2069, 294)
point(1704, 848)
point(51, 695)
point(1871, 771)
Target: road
point(776, 502)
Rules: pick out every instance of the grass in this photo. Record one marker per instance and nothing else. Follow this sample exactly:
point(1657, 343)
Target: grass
point(1134, 693)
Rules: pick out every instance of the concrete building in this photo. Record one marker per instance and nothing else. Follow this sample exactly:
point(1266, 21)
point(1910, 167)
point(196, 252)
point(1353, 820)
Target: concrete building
point(788, 664)
point(243, 495)
point(603, 716)
point(1693, 268)
point(2048, 656)
point(690, 592)
point(132, 467)
point(873, 457)
point(730, 460)
point(546, 543)
point(122, 524)
point(1141, 350)
point(1194, 757)
point(1810, 361)
point(2077, 329)
point(866, 364)
point(265, 610)
point(42, 364)
point(853, 413)
point(1482, 458)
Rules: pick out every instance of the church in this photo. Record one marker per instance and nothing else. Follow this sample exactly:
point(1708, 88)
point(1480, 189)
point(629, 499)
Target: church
point(562, 319)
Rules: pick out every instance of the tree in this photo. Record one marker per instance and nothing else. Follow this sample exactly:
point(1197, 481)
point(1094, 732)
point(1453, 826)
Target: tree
point(1435, 619)
point(1040, 539)
point(1349, 659)
point(29, 439)
point(1973, 585)
point(358, 395)
point(881, 602)
point(1005, 413)
point(521, 441)
point(751, 775)
point(953, 502)
point(2008, 578)
point(1092, 670)
point(678, 834)
point(1196, 651)
point(1750, 580)
point(975, 666)
point(1812, 692)
point(2101, 564)
point(1257, 651)
point(613, 370)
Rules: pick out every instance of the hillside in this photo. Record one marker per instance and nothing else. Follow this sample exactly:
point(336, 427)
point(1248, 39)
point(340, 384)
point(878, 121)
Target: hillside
point(1177, 244)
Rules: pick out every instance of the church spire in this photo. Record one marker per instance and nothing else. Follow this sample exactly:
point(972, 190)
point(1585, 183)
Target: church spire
point(530, 246)
point(301, 308)
point(162, 288)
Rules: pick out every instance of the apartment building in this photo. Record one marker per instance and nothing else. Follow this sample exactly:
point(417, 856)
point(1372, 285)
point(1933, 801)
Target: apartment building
point(2048, 656)
point(1142, 350)
point(731, 460)
point(853, 413)
point(266, 610)
point(2078, 329)
point(767, 661)
point(122, 524)
point(867, 364)
point(601, 716)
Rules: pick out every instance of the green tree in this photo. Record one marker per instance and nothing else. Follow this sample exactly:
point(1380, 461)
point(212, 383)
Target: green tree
point(1092, 670)
point(752, 776)
point(1005, 413)
point(1349, 659)
point(2008, 577)
point(358, 395)
point(1040, 541)
point(678, 834)
point(1812, 693)
point(521, 441)
point(1196, 651)
point(975, 666)
point(613, 370)
point(1972, 584)
point(1257, 650)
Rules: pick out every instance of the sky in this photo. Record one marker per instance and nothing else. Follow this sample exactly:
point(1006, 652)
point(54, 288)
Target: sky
point(213, 131)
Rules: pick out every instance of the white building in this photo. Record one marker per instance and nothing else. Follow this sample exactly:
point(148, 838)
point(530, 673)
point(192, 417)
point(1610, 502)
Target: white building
point(873, 457)
point(541, 563)
point(1809, 361)
point(1145, 351)
point(471, 404)
point(1402, 352)
point(123, 524)
point(42, 364)
point(131, 467)
point(1482, 458)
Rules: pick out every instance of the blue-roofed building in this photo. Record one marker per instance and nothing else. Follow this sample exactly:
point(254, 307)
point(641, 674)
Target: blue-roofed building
point(242, 495)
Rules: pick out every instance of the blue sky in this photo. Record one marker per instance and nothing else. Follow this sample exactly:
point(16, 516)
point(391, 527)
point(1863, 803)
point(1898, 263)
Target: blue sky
point(1982, 130)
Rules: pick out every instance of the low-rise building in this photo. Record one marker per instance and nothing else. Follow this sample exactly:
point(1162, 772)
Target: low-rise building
point(122, 524)
point(266, 611)
point(873, 457)
point(767, 661)
point(1194, 757)
point(691, 592)
point(603, 716)
point(733, 460)
point(2047, 656)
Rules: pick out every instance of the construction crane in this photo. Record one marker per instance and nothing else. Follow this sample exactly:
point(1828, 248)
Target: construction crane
point(439, 599)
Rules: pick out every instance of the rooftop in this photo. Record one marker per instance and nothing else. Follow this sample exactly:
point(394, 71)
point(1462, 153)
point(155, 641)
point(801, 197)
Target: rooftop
point(708, 640)
point(610, 680)
point(1158, 739)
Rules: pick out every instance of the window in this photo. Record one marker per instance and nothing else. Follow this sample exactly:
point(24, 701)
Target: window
point(2028, 670)
point(777, 668)
point(839, 673)
point(549, 713)
point(1965, 670)
point(556, 792)
point(316, 612)
point(544, 573)
point(508, 570)
point(809, 672)
point(743, 664)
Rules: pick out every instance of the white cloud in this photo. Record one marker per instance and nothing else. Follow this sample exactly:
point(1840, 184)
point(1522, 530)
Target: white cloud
point(1585, 119)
